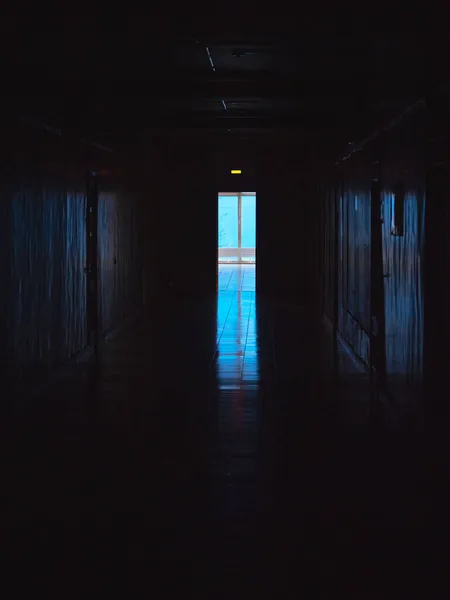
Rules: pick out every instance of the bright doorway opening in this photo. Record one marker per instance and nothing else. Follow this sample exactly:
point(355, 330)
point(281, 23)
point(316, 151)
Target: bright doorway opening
point(236, 234)
point(237, 228)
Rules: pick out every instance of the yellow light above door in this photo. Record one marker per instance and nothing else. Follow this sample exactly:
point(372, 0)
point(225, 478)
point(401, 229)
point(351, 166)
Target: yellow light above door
point(236, 171)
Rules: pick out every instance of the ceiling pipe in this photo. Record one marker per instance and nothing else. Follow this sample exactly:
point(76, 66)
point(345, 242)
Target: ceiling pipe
point(421, 103)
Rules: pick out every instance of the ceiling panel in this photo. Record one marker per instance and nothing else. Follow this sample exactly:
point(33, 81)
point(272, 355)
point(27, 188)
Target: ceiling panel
point(151, 75)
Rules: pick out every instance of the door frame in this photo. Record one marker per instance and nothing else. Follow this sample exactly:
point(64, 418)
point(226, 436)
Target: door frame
point(91, 268)
point(377, 365)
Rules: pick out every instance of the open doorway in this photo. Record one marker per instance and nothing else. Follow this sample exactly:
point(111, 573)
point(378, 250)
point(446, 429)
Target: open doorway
point(236, 234)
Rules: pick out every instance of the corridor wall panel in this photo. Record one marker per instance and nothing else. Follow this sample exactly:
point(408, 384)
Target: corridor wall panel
point(119, 252)
point(403, 255)
point(354, 255)
point(46, 312)
point(395, 161)
point(43, 211)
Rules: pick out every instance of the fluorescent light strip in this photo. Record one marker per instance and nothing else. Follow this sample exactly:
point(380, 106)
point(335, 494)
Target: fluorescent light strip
point(210, 59)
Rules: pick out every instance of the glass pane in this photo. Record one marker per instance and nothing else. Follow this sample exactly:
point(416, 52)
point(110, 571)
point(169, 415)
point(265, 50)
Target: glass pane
point(248, 222)
point(228, 222)
point(248, 228)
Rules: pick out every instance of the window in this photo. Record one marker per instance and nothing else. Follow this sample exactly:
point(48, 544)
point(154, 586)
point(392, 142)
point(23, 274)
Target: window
point(237, 227)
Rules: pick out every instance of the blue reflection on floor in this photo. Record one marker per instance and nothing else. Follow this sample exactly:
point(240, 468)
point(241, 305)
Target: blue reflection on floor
point(237, 357)
point(234, 278)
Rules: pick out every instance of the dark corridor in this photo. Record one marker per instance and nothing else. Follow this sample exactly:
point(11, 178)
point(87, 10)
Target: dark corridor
point(164, 426)
point(176, 463)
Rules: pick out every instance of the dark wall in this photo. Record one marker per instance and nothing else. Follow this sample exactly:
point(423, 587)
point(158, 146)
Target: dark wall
point(394, 163)
point(181, 215)
point(354, 254)
point(43, 226)
point(287, 212)
point(226, 159)
point(403, 255)
point(120, 253)
point(185, 182)
point(329, 249)
point(437, 253)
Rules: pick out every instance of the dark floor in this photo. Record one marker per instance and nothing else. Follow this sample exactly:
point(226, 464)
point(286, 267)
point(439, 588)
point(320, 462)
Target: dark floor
point(207, 455)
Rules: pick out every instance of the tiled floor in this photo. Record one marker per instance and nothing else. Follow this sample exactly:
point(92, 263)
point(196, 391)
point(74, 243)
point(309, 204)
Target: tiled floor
point(233, 278)
point(237, 354)
point(205, 456)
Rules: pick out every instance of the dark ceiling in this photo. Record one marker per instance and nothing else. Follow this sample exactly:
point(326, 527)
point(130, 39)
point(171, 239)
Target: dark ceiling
point(148, 77)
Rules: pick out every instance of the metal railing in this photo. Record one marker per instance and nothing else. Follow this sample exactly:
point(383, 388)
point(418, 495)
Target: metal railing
point(238, 255)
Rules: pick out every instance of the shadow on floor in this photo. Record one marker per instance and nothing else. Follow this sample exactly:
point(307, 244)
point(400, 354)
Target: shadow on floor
point(208, 454)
